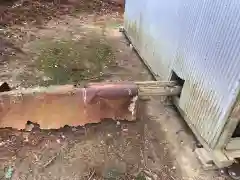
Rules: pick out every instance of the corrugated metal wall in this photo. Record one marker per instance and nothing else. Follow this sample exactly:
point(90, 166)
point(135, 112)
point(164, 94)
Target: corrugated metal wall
point(200, 41)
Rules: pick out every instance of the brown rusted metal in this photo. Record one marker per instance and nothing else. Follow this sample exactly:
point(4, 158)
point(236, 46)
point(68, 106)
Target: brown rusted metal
point(57, 106)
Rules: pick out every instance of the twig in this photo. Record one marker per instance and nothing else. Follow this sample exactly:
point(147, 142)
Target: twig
point(94, 77)
point(143, 158)
point(91, 175)
point(150, 174)
point(146, 170)
point(50, 161)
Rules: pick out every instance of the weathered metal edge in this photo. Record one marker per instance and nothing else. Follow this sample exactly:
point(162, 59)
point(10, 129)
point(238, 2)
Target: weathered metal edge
point(154, 76)
point(57, 106)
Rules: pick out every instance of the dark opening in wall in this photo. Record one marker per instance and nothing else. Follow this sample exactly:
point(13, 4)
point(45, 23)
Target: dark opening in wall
point(237, 131)
point(180, 81)
point(235, 114)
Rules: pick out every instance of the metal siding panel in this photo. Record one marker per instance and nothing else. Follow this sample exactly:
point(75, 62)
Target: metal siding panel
point(199, 40)
point(216, 68)
point(156, 47)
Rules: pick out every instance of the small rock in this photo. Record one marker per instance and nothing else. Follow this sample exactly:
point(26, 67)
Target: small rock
point(45, 78)
point(29, 127)
point(26, 139)
point(63, 136)
point(2, 143)
point(109, 135)
point(232, 173)
point(118, 123)
point(112, 174)
point(222, 172)
point(25, 136)
point(58, 141)
point(131, 46)
point(125, 130)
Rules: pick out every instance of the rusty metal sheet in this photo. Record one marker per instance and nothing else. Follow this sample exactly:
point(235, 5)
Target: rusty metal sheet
point(57, 106)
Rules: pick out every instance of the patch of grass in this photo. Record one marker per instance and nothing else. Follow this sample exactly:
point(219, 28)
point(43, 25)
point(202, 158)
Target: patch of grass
point(72, 61)
point(140, 176)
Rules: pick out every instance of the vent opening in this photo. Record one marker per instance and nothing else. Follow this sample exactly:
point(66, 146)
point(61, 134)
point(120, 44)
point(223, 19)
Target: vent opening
point(180, 81)
point(237, 131)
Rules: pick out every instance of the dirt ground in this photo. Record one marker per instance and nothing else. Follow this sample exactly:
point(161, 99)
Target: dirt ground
point(76, 43)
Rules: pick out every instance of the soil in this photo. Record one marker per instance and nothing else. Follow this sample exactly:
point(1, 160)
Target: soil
point(73, 41)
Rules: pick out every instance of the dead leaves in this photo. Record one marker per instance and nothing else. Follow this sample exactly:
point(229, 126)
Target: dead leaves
point(39, 11)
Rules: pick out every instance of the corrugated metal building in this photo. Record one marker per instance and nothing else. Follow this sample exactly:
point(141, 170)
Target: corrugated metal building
point(199, 40)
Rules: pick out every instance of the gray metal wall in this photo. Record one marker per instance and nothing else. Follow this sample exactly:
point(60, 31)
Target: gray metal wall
point(200, 41)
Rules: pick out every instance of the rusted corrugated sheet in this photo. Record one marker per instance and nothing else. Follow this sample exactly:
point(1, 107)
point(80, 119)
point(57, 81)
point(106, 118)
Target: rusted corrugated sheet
point(199, 40)
point(57, 106)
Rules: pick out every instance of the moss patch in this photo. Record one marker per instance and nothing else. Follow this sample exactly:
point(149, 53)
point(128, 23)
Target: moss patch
point(72, 61)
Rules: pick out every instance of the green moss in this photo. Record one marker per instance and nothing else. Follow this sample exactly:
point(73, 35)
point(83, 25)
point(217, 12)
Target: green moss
point(238, 98)
point(140, 176)
point(73, 61)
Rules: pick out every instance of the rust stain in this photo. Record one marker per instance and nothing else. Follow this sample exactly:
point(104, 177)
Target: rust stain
point(57, 106)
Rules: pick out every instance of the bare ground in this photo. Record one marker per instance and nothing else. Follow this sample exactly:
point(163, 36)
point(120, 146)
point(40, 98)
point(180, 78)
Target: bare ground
point(77, 47)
